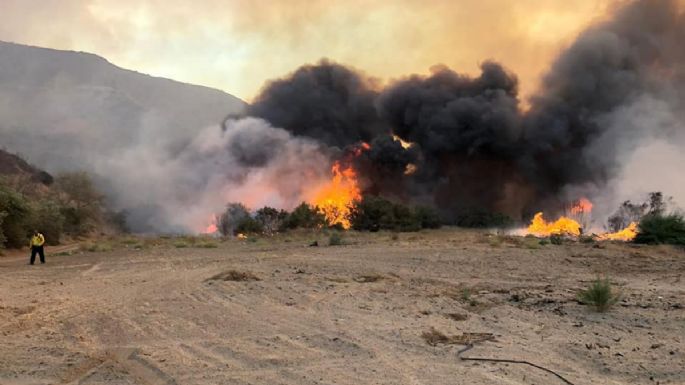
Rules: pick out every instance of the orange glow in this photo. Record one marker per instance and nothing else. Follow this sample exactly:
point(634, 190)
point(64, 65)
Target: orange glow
point(562, 226)
point(583, 206)
point(335, 198)
point(627, 234)
point(211, 228)
point(403, 143)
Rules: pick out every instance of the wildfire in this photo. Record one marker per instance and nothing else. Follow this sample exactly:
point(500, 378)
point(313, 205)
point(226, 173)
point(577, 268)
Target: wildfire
point(583, 206)
point(336, 197)
point(403, 143)
point(211, 228)
point(627, 234)
point(562, 226)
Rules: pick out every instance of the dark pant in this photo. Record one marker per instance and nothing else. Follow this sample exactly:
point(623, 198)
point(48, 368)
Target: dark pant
point(37, 250)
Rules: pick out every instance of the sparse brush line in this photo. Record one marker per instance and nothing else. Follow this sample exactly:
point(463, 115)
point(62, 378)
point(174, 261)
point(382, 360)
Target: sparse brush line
point(469, 347)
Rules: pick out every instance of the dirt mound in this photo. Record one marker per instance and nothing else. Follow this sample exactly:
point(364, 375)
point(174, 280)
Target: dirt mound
point(233, 275)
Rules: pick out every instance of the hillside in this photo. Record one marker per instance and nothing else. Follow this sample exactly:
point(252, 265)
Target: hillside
point(13, 166)
point(60, 108)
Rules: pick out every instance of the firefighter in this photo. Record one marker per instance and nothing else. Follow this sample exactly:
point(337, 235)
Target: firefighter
point(37, 242)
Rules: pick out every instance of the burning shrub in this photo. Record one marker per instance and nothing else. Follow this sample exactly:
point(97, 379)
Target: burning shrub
point(656, 229)
point(304, 216)
point(231, 218)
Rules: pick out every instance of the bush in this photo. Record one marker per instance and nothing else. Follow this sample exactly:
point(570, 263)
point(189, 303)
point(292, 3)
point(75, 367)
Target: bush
point(81, 204)
point(428, 217)
point(231, 218)
point(16, 213)
point(249, 225)
point(599, 295)
point(335, 240)
point(270, 219)
point(304, 216)
point(657, 229)
point(48, 219)
point(482, 219)
point(556, 239)
point(376, 213)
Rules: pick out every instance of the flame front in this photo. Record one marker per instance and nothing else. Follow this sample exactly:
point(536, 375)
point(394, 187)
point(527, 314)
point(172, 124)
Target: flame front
point(335, 198)
point(562, 226)
point(627, 234)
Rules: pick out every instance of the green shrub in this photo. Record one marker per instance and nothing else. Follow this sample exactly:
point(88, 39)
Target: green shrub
point(428, 217)
point(47, 218)
point(657, 229)
point(476, 218)
point(599, 295)
point(586, 239)
point(375, 213)
point(81, 204)
point(335, 239)
point(16, 215)
point(248, 225)
point(304, 216)
point(556, 239)
point(181, 244)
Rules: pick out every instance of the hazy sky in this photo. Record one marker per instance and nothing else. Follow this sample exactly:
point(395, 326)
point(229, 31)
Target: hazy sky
point(236, 45)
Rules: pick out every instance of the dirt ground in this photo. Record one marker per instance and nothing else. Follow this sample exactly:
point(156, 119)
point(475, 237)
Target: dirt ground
point(276, 311)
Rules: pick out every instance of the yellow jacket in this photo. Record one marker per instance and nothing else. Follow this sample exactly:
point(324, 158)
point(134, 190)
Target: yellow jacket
point(37, 240)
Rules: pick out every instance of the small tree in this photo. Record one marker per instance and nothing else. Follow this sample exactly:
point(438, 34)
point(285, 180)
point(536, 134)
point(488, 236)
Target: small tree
point(270, 219)
point(230, 219)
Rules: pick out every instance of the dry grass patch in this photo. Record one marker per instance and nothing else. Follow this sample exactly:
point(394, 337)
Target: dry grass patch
point(233, 275)
point(433, 338)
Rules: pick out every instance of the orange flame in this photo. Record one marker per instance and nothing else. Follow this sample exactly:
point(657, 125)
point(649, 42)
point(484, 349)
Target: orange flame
point(627, 234)
point(562, 226)
point(211, 228)
point(583, 206)
point(335, 198)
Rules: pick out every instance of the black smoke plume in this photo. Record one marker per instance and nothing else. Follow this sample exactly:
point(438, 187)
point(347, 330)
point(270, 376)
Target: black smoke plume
point(474, 147)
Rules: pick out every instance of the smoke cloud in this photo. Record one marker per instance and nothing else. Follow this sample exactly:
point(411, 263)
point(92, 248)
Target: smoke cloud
point(612, 102)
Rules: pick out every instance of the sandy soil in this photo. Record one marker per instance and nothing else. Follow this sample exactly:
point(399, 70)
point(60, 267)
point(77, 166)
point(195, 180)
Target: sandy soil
point(351, 314)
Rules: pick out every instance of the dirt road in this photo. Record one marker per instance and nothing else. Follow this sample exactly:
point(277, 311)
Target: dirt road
point(278, 312)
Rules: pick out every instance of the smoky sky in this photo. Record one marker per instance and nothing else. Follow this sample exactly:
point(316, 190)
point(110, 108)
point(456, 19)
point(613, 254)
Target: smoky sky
point(473, 143)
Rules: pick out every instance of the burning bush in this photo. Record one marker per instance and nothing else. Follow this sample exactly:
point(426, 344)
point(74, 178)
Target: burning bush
point(666, 229)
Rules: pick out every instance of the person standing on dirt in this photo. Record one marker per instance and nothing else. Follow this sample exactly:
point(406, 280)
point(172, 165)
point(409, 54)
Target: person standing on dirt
point(37, 242)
